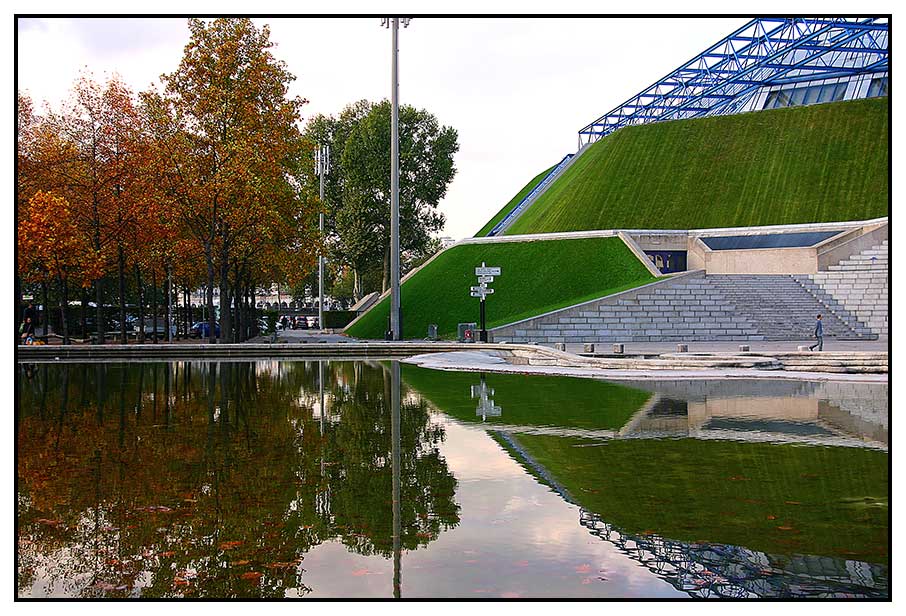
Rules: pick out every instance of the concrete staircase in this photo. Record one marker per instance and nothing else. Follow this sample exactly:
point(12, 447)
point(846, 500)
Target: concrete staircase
point(782, 309)
point(856, 287)
point(691, 308)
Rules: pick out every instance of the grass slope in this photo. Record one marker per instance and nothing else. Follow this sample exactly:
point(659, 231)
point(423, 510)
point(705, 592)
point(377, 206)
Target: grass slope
point(536, 277)
point(530, 400)
point(513, 203)
point(779, 499)
point(816, 163)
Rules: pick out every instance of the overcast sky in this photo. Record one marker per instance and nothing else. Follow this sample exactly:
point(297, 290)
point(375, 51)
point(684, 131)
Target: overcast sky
point(517, 90)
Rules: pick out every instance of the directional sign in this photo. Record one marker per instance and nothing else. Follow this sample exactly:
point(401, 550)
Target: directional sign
point(481, 290)
point(485, 279)
point(487, 271)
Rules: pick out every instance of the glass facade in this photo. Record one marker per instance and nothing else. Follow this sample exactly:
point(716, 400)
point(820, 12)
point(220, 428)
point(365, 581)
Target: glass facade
point(805, 95)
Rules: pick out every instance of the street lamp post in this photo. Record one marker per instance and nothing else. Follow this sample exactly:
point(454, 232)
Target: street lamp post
point(395, 321)
point(322, 165)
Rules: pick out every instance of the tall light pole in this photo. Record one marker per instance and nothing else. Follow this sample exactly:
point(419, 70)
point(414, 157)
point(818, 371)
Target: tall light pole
point(395, 321)
point(322, 167)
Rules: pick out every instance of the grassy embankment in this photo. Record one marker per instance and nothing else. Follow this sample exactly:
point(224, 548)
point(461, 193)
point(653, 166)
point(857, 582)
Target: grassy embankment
point(530, 400)
point(536, 277)
point(778, 499)
point(816, 163)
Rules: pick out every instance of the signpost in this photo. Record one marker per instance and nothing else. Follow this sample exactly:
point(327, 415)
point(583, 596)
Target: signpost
point(485, 275)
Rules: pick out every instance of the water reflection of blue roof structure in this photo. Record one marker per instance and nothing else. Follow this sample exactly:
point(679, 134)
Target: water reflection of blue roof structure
point(769, 62)
point(709, 570)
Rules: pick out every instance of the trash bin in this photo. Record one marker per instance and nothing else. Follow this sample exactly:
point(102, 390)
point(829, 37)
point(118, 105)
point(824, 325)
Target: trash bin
point(432, 331)
point(461, 330)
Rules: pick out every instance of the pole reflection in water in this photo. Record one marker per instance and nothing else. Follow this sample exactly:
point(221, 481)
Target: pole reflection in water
point(395, 457)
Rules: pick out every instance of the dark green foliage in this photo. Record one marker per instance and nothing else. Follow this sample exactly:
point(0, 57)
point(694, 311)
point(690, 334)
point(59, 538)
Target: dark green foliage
point(506, 209)
point(816, 163)
point(336, 319)
point(536, 277)
point(778, 499)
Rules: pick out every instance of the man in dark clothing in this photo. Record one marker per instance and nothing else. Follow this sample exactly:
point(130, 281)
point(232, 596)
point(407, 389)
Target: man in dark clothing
point(819, 335)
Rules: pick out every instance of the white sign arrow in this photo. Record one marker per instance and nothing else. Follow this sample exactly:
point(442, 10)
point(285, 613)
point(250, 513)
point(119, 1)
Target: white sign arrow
point(485, 279)
point(487, 271)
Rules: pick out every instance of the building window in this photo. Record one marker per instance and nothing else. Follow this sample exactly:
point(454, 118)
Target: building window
point(878, 87)
point(806, 95)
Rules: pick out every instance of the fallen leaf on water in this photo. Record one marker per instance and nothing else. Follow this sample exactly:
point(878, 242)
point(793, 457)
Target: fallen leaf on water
point(772, 517)
point(180, 582)
point(583, 569)
point(521, 563)
point(103, 586)
point(510, 595)
point(238, 563)
point(167, 554)
point(586, 581)
point(229, 545)
point(360, 572)
point(48, 522)
point(792, 502)
point(738, 478)
point(785, 528)
point(251, 575)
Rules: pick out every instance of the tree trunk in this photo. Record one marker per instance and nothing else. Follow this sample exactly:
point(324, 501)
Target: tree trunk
point(226, 321)
point(209, 260)
point(83, 318)
point(64, 300)
point(141, 305)
point(356, 285)
point(121, 267)
point(45, 313)
point(99, 311)
point(188, 314)
point(154, 304)
point(385, 282)
point(169, 317)
point(238, 336)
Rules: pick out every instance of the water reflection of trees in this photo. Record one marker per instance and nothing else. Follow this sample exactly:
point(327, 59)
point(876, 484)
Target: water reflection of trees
point(213, 480)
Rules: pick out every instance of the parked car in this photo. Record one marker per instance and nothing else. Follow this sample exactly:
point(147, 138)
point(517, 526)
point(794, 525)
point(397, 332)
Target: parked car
point(313, 322)
point(201, 329)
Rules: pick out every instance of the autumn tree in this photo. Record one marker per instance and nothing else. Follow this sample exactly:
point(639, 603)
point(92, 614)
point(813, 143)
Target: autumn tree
point(49, 245)
point(226, 128)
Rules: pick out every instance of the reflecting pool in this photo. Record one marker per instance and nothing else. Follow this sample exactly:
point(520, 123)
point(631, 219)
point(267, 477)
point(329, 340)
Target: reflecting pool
point(380, 479)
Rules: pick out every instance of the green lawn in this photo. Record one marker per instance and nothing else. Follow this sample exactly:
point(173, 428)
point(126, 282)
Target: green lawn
point(816, 163)
point(536, 277)
point(513, 203)
point(530, 400)
point(779, 499)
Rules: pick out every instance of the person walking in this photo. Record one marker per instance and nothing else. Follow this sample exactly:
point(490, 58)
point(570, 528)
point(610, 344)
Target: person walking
point(27, 331)
point(819, 335)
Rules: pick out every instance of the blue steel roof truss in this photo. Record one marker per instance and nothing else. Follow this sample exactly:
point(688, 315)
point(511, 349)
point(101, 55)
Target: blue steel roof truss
point(765, 52)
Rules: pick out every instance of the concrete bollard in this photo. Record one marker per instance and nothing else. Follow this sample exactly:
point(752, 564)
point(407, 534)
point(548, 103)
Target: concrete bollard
point(802, 347)
point(560, 346)
point(618, 348)
point(682, 348)
point(589, 348)
point(743, 347)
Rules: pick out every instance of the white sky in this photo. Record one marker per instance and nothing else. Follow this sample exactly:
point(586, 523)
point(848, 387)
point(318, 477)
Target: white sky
point(516, 89)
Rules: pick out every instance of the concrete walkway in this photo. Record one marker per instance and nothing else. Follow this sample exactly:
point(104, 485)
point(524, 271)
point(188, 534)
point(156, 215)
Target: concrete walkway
point(491, 361)
point(657, 348)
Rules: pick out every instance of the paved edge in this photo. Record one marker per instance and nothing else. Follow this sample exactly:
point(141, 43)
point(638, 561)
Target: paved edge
point(491, 362)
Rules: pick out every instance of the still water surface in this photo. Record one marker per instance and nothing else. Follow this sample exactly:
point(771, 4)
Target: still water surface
point(375, 479)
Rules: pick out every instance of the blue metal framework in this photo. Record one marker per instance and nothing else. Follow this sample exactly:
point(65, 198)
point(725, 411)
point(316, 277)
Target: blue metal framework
point(730, 76)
